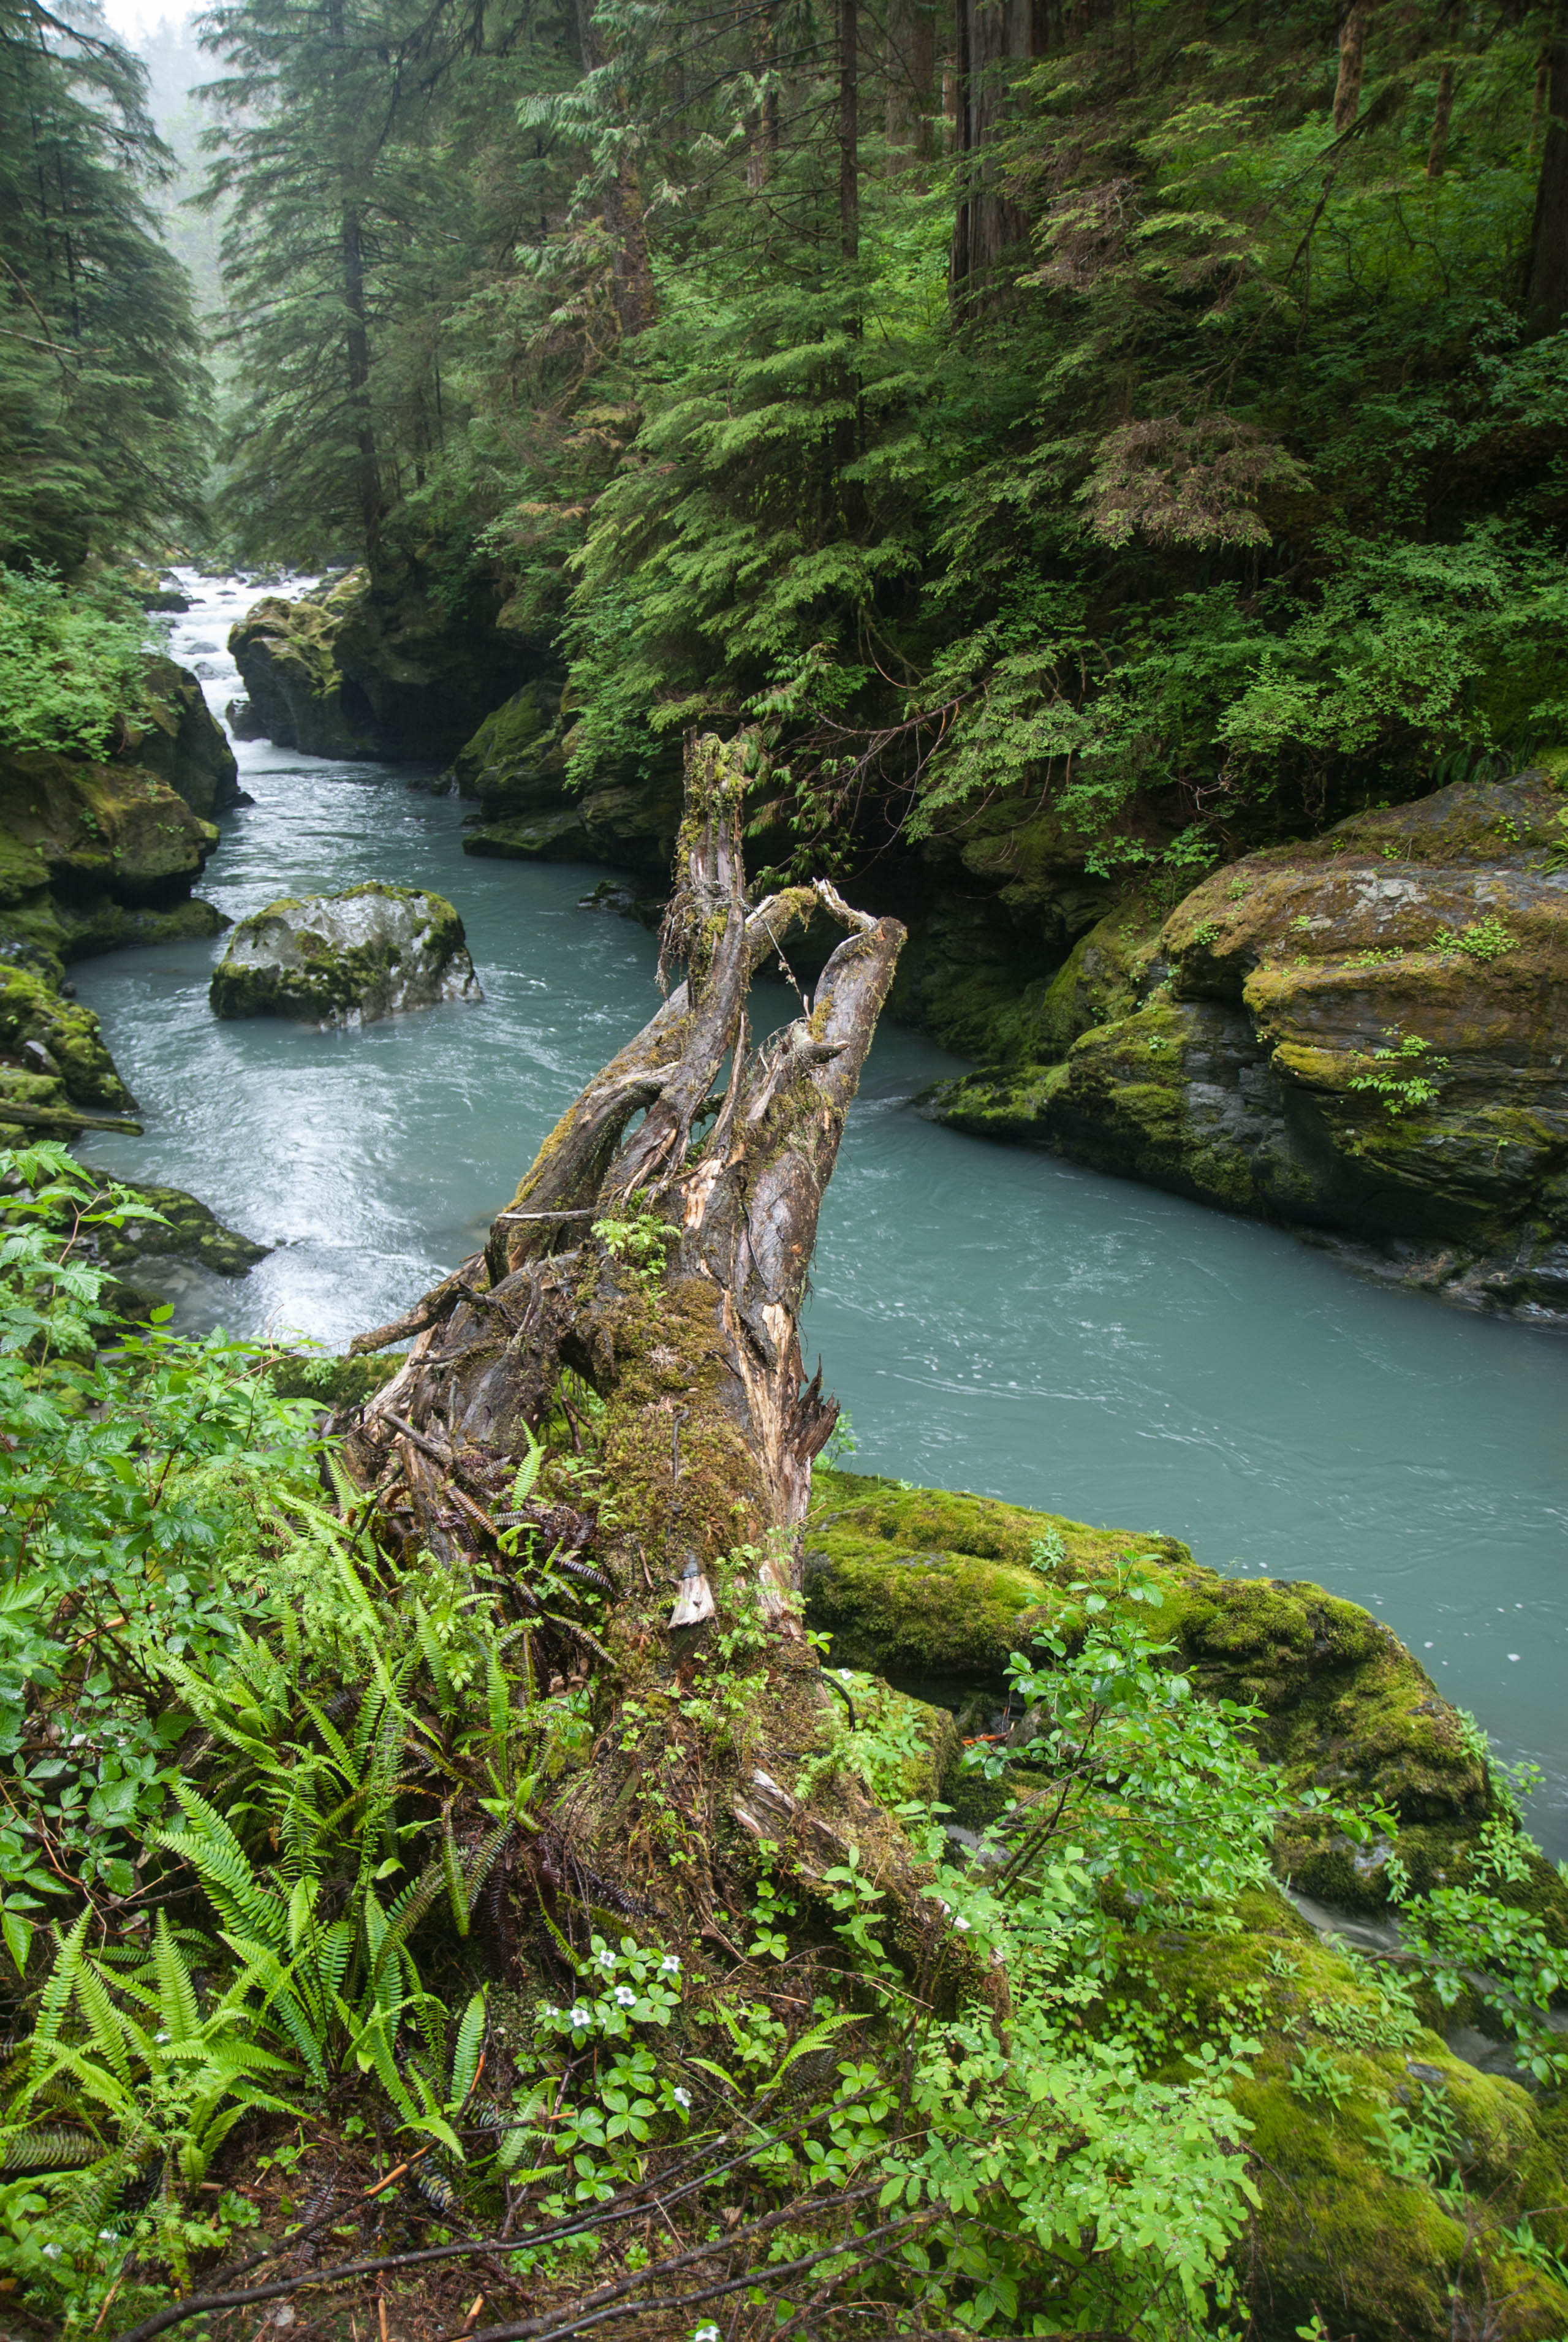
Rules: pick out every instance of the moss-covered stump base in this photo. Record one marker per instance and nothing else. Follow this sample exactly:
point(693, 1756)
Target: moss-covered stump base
point(345, 959)
point(933, 1590)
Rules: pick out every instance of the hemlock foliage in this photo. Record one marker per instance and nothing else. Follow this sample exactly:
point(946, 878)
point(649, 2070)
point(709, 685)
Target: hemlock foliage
point(101, 382)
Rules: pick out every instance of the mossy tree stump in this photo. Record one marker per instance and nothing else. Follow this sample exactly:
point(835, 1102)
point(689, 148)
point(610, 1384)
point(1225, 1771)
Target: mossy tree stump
point(648, 1277)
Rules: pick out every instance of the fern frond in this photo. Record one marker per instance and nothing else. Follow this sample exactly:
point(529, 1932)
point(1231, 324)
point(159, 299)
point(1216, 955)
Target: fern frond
point(466, 2056)
point(177, 1993)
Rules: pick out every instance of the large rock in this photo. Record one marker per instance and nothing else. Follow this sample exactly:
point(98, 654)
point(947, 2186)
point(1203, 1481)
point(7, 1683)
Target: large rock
point(181, 741)
point(515, 765)
point(345, 959)
point(296, 693)
point(357, 669)
point(933, 1590)
point(1364, 1033)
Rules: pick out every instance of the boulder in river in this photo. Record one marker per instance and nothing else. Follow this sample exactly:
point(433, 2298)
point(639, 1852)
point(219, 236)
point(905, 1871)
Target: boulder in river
point(345, 959)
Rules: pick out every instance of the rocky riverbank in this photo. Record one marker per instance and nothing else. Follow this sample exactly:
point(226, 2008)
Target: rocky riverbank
point(94, 853)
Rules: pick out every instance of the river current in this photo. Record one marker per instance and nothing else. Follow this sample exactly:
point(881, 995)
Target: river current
point(992, 1319)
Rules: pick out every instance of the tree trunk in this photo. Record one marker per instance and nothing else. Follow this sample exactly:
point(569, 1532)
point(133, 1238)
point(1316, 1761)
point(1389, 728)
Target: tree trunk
point(848, 130)
point(1546, 294)
point(1437, 146)
point(636, 303)
point(1352, 61)
point(990, 37)
point(910, 71)
point(356, 350)
point(644, 1286)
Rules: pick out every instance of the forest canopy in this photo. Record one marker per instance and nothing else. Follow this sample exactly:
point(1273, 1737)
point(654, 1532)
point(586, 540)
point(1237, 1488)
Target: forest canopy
point(1155, 410)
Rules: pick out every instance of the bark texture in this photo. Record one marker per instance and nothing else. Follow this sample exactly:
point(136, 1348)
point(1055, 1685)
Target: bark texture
point(644, 1283)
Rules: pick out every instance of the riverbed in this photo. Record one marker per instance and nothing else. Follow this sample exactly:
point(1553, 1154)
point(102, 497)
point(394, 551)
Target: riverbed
point(992, 1319)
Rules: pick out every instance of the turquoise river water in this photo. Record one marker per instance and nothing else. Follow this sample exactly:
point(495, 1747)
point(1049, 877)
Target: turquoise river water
point(992, 1319)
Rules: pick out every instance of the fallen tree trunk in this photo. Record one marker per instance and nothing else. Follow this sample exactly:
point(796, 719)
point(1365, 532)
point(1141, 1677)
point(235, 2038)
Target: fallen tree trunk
point(638, 1302)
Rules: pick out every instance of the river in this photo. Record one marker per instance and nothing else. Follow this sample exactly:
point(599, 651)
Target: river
point(992, 1319)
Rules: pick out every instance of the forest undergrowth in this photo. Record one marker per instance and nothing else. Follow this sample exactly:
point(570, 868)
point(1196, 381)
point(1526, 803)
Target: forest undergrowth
point(312, 2003)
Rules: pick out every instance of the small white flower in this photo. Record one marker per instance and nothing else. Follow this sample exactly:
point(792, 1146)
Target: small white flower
point(682, 2097)
point(624, 1997)
point(549, 2008)
point(580, 2016)
point(705, 2333)
point(52, 2252)
point(106, 2237)
point(669, 1965)
point(962, 1925)
point(606, 1959)
point(160, 2036)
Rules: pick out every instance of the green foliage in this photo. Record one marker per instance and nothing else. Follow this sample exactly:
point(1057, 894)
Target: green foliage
point(137, 1490)
point(642, 1242)
point(1401, 1073)
point(71, 663)
point(101, 388)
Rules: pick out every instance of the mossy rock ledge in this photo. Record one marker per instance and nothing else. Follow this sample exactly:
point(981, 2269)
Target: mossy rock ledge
point(931, 1589)
point(934, 1590)
point(345, 959)
point(1258, 1053)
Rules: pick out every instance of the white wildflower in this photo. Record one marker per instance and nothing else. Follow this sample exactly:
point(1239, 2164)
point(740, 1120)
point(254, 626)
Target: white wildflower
point(682, 2097)
point(624, 1997)
point(580, 2017)
point(669, 1965)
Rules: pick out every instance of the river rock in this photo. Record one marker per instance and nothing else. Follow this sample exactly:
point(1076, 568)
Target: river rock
point(354, 669)
point(1362, 1034)
point(345, 959)
point(180, 740)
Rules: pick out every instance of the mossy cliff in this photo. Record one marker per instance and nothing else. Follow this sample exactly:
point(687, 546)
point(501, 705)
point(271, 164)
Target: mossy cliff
point(515, 766)
point(361, 669)
point(934, 1590)
point(1362, 1034)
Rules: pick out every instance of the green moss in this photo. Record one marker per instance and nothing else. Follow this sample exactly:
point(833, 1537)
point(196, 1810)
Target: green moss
point(279, 963)
point(933, 1590)
point(30, 1010)
point(532, 838)
point(1337, 2232)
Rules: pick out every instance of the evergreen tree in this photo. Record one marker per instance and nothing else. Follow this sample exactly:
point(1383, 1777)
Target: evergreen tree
point(101, 381)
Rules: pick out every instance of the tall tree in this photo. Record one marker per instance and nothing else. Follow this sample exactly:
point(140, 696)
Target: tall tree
point(101, 381)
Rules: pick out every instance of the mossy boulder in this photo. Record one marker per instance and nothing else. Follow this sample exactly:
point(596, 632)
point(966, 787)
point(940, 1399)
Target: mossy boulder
point(298, 695)
point(933, 1590)
point(180, 740)
point(34, 1017)
point(185, 1229)
point(1351, 2226)
point(558, 836)
point(363, 668)
point(1362, 1034)
point(514, 763)
point(90, 830)
point(345, 959)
